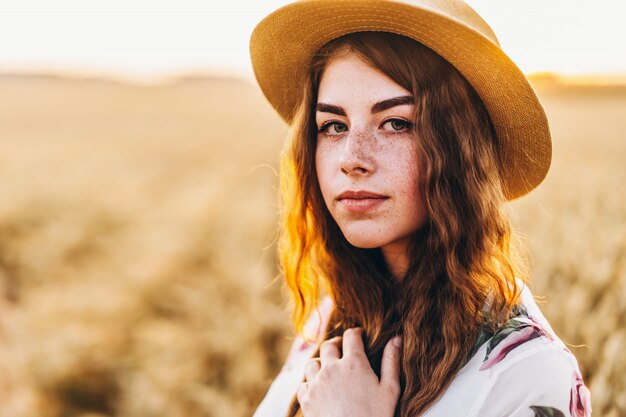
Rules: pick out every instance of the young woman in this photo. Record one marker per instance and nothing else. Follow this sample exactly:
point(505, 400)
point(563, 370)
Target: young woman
point(410, 131)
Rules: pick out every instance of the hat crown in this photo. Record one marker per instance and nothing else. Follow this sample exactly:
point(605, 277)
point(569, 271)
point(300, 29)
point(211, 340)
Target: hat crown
point(458, 10)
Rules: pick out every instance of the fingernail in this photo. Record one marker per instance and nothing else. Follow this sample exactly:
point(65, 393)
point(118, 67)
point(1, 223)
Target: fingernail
point(397, 341)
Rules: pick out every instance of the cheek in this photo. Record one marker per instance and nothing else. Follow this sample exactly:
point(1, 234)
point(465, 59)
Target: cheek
point(412, 178)
point(407, 182)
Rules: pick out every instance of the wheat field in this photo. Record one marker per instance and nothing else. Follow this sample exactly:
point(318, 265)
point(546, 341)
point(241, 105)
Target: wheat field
point(137, 245)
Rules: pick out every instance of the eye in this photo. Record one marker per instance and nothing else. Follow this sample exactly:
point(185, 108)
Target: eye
point(333, 128)
point(397, 125)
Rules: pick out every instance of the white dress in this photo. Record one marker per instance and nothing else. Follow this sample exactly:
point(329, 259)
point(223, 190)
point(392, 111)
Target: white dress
point(523, 370)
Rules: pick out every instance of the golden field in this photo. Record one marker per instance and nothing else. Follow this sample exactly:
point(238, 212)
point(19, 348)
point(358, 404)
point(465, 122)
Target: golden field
point(137, 245)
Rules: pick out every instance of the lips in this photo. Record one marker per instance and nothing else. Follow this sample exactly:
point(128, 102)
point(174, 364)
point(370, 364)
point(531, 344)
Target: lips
point(360, 195)
point(360, 201)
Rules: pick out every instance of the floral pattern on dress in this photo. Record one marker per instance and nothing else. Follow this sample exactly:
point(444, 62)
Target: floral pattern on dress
point(579, 405)
point(566, 398)
point(518, 330)
point(542, 411)
point(580, 397)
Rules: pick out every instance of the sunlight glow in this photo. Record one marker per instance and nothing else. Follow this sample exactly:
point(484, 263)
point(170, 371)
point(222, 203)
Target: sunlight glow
point(146, 40)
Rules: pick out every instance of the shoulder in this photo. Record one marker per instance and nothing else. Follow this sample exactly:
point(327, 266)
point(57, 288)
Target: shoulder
point(284, 386)
point(530, 370)
point(313, 331)
point(535, 382)
point(315, 327)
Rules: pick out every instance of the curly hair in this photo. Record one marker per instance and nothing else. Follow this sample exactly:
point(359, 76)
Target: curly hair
point(463, 266)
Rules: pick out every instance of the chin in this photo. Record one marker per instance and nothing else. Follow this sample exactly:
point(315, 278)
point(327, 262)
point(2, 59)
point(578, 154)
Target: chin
point(364, 240)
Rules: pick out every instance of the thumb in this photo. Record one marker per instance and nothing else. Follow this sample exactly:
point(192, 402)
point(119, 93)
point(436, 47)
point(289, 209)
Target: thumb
point(390, 364)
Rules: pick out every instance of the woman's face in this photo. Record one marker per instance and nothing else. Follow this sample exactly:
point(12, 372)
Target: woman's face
point(366, 156)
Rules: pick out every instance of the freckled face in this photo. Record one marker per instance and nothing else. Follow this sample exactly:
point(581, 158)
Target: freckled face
point(366, 147)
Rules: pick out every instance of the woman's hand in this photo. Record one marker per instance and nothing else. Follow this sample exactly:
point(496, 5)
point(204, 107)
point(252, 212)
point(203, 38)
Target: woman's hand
point(347, 386)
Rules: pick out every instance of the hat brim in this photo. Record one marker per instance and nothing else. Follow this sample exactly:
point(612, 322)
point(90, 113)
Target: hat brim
point(283, 43)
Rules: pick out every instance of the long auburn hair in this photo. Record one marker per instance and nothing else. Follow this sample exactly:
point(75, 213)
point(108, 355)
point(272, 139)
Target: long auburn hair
point(461, 278)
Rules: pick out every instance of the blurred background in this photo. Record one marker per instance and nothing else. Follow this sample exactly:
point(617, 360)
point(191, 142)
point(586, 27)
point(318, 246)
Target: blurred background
point(138, 203)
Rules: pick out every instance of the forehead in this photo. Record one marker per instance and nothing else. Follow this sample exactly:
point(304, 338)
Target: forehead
point(348, 77)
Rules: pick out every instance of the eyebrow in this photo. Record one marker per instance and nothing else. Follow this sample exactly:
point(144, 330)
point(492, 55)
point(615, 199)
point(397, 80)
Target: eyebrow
point(376, 108)
point(391, 102)
point(330, 108)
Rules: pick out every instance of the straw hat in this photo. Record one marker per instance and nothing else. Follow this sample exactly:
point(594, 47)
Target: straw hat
point(283, 43)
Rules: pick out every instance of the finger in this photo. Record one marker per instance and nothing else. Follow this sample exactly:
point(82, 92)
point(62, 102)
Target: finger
point(302, 389)
point(353, 342)
point(390, 364)
point(329, 350)
point(311, 369)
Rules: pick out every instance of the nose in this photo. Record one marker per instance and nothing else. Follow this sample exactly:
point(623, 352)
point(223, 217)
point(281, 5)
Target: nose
point(357, 155)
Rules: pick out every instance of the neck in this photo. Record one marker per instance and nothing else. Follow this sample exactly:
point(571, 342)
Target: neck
point(395, 254)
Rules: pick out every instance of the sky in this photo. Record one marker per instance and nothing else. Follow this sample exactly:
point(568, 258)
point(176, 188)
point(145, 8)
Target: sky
point(148, 40)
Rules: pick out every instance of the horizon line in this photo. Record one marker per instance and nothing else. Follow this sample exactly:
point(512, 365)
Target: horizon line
point(579, 79)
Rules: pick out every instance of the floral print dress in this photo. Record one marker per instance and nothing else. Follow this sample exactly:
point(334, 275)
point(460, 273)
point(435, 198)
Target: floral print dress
point(521, 370)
